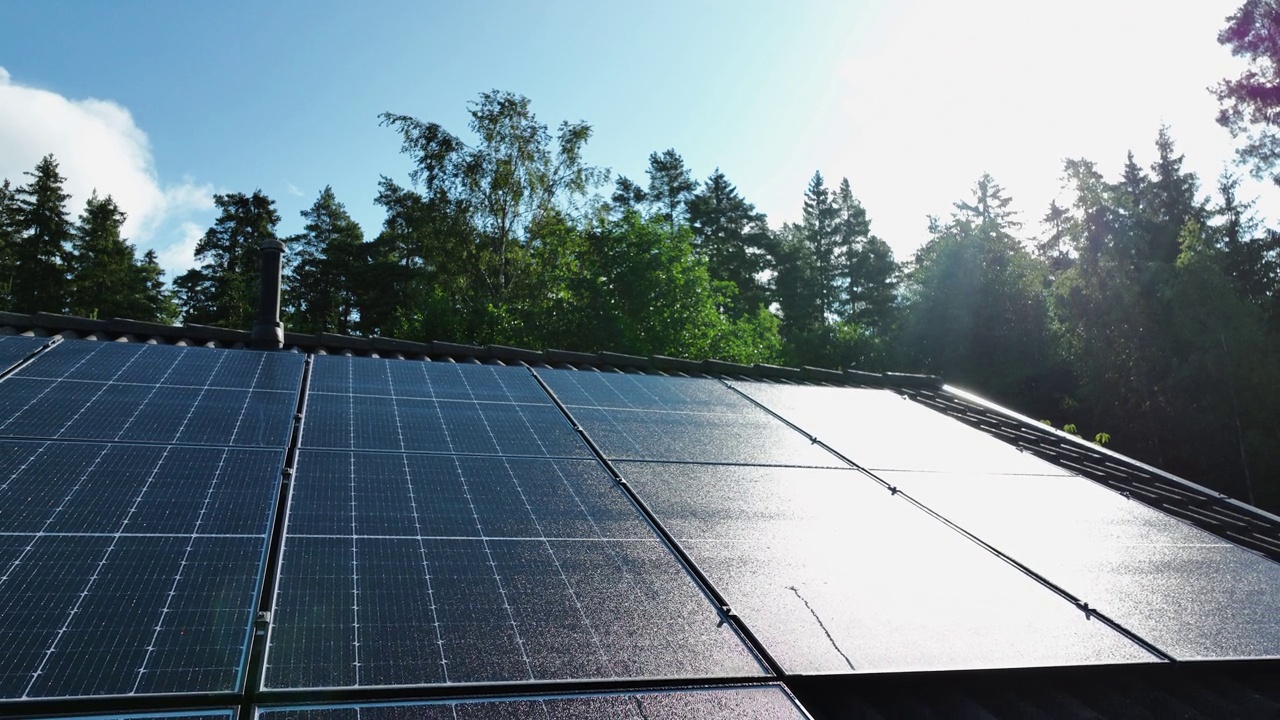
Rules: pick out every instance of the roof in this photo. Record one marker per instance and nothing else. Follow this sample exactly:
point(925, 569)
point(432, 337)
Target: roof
point(626, 515)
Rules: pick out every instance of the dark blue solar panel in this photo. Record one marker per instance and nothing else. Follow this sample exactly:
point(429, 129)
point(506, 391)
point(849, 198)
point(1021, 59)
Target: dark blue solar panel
point(643, 392)
point(419, 569)
point(136, 393)
point(439, 380)
point(15, 348)
point(362, 422)
point(763, 702)
point(833, 573)
point(168, 365)
point(129, 569)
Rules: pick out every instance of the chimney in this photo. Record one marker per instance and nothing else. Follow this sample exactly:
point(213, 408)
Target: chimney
point(268, 331)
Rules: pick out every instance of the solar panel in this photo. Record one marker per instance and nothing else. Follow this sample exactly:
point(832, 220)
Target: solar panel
point(129, 569)
point(15, 348)
point(138, 393)
point(438, 380)
point(880, 430)
point(418, 569)
point(642, 392)
point(835, 574)
point(363, 404)
point(1190, 593)
point(761, 702)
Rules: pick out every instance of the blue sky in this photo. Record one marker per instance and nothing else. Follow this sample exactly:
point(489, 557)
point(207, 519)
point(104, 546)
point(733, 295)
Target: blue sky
point(162, 104)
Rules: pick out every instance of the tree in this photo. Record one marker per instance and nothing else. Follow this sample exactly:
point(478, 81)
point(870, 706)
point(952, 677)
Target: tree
point(870, 274)
point(976, 310)
point(627, 195)
point(1250, 103)
point(224, 289)
point(40, 248)
point(731, 236)
point(491, 194)
point(671, 185)
point(320, 290)
point(819, 224)
point(10, 226)
point(107, 279)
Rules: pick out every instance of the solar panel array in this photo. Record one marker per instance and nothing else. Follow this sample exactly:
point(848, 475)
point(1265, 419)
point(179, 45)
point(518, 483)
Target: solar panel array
point(428, 527)
point(446, 528)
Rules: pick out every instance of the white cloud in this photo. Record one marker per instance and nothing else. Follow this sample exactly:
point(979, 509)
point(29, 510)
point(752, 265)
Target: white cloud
point(181, 254)
point(98, 147)
point(293, 190)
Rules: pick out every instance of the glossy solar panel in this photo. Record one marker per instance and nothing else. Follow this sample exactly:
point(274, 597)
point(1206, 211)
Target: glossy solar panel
point(15, 348)
point(835, 574)
point(364, 404)
point(421, 570)
point(129, 569)
point(881, 430)
point(136, 393)
point(1190, 593)
point(760, 702)
point(438, 380)
point(643, 392)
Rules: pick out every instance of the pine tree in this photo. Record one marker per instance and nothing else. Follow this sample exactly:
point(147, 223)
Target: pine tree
point(224, 289)
point(40, 249)
point(731, 236)
point(819, 225)
point(106, 278)
point(671, 185)
point(10, 222)
point(320, 289)
point(868, 268)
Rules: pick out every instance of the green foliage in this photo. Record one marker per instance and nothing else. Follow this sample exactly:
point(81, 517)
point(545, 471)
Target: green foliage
point(975, 308)
point(1249, 103)
point(224, 289)
point(41, 243)
point(107, 280)
point(322, 288)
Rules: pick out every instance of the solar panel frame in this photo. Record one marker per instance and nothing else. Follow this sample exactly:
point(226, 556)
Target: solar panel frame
point(16, 348)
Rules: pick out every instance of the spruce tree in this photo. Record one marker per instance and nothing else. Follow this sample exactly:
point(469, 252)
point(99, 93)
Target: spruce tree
point(40, 247)
point(224, 289)
point(320, 289)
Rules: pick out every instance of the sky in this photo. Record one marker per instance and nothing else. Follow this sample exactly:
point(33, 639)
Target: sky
point(164, 104)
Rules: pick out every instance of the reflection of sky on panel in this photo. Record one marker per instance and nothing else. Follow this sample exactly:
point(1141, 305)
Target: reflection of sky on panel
point(830, 571)
point(642, 392)
point(881, 430)
point(1189, 592)
point(764, 702)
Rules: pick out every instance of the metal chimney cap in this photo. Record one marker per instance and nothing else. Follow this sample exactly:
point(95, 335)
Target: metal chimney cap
point(272, 244)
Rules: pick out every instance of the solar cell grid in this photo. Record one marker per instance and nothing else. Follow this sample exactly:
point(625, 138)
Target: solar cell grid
point(767, 702)
point(438, 380)
point(152, 394)
point(418, 569)
point(178, 715)
point(128, 569)
point(15, 348)
point(835, 574)
point(414, 424)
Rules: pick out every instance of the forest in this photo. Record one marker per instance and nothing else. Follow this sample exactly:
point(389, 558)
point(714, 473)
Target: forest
point(1143, 310)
